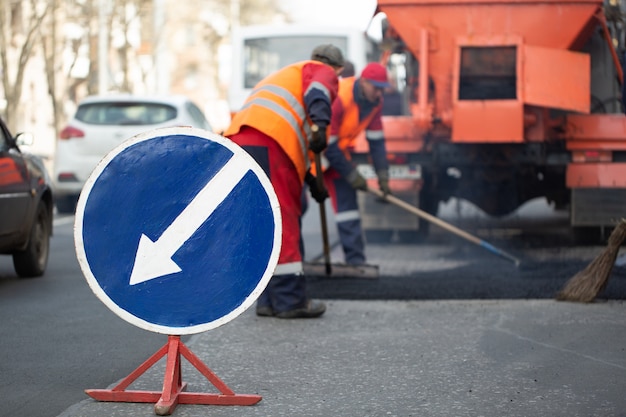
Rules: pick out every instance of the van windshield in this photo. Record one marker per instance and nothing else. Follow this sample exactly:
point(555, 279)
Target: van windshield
point(262, 56)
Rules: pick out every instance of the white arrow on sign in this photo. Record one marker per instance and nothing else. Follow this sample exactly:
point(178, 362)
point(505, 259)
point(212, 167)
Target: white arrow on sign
point(154, 259)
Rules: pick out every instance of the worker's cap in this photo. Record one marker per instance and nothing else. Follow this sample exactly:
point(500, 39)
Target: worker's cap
point(376, 74)
point(348, 69)
point(328, 54)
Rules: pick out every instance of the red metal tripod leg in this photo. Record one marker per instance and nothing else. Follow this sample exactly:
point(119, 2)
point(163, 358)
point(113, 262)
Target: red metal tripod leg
point(172, 381)
point(173, 386)
point(119, 393)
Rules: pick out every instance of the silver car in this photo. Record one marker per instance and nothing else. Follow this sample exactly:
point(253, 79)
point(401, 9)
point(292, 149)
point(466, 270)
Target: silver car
point(103, 122)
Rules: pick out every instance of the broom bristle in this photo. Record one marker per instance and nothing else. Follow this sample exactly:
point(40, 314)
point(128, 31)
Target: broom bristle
point(586, 284)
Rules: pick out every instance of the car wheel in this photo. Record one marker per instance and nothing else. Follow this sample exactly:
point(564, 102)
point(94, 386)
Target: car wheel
point(32, 261)
point(66, 204)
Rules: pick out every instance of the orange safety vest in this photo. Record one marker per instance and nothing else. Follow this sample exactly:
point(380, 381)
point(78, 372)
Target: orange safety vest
point(276, 108)
point(350, 126)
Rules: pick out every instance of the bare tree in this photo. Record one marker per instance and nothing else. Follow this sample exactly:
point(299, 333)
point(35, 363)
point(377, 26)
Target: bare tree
point(209, 24)
point(125, 15)
point(49, 43)
point(26, 25)
point(18, 29)
point(258, 11)
point(57, 46)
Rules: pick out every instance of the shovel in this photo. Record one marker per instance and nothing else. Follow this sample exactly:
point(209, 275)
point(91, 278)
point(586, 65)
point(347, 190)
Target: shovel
point(320, 184)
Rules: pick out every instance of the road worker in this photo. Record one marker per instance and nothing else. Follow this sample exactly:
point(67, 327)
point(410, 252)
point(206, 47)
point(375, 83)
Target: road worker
point(348, 70)
point(358, 108)
point(274, 127)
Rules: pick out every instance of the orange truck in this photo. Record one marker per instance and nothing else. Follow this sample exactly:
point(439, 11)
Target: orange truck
point(499, 102)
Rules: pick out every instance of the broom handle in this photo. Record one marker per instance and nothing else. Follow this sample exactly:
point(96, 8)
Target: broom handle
point(447, 226)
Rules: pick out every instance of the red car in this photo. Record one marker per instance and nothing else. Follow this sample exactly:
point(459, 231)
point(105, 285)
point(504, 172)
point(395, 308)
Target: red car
point(26, 205)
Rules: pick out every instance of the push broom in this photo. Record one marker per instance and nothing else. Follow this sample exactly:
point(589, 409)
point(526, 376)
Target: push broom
point(586, 284)
point(447, 226)
point(371, 271)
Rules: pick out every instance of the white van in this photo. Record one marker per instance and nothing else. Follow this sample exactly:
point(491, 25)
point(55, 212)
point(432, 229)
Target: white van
point(257, 51)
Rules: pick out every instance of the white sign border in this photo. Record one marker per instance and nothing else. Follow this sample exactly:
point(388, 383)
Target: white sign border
point(82, 257)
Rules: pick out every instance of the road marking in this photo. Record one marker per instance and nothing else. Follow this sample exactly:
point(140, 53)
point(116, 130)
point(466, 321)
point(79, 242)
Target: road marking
point(154, 259)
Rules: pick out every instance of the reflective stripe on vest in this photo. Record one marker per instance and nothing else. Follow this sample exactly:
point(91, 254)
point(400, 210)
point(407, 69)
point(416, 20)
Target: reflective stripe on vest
point(276, 108)
point(292, 121)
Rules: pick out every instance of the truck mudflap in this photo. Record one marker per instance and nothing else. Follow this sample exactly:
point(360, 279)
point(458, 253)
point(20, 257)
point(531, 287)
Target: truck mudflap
point(378, 217)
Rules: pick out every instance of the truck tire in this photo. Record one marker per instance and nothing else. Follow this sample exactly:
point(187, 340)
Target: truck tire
point(32, 261)
point(589, 235)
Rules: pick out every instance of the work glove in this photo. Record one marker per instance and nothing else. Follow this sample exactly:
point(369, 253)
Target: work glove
point(383, 182)
point(357, 181)
point(318, 139)
point(318, 194)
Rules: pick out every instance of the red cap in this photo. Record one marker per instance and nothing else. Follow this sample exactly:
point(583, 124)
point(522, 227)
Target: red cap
point(376, 74)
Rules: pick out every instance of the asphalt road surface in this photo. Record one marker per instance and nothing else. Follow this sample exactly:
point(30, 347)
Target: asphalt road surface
point(447, 266)
point(58, 339)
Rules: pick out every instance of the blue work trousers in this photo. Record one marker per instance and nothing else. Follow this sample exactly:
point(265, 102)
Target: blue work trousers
point(347, 217)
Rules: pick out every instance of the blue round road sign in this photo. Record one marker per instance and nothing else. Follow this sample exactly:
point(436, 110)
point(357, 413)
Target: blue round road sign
point(178, 230)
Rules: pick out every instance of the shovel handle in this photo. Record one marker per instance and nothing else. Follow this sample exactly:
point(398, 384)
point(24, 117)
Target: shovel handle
point(447, 226)
point(320, 185)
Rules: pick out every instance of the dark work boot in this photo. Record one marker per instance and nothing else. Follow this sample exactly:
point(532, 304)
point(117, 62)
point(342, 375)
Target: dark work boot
point(264, 311)
point(312, 309)
point(264, 305)
point(288, 297)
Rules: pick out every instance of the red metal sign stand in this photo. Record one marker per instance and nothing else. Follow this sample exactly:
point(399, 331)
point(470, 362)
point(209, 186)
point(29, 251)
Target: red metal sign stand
point(173, 386)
